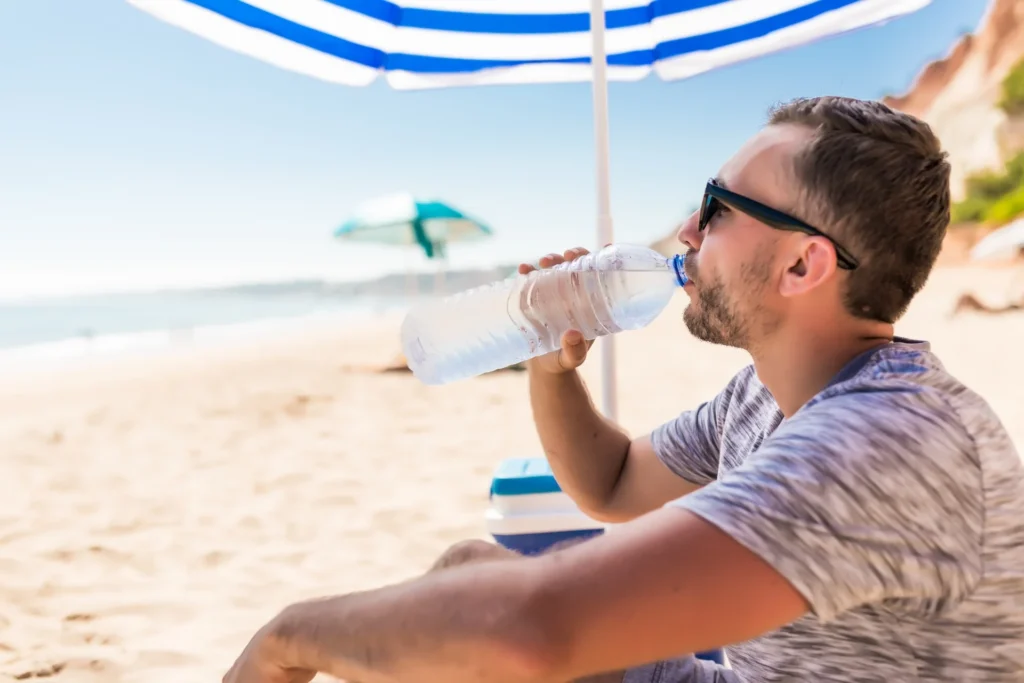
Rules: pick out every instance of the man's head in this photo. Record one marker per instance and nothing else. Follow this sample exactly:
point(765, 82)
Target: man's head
point(861, 200)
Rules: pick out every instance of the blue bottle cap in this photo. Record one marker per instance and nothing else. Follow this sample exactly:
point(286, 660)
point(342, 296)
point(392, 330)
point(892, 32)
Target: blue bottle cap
point(677, 266)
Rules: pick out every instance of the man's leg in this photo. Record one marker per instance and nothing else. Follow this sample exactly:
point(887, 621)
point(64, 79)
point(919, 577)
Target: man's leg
point(684, 670)
point(470, 552)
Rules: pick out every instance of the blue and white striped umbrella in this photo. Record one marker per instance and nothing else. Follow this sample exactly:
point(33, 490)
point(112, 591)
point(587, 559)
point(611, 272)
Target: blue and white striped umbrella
point(436, 43)
point(439, 43)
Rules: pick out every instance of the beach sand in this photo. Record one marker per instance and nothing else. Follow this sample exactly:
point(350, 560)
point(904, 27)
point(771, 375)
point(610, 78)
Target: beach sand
point(157, 511)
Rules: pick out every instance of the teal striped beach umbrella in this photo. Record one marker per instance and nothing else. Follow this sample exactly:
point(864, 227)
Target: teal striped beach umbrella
point(404, 220)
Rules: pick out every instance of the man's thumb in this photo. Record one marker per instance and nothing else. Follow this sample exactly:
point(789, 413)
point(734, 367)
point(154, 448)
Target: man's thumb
point(574, 348)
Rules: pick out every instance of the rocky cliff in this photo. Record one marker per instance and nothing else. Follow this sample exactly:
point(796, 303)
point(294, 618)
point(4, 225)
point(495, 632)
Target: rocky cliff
point(959, 95)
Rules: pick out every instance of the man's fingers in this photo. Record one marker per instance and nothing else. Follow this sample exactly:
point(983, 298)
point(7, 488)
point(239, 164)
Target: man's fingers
point(553, 259)
point(549, 260)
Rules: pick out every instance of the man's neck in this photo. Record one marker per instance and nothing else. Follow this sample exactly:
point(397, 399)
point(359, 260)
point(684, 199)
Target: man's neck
point(797, 364)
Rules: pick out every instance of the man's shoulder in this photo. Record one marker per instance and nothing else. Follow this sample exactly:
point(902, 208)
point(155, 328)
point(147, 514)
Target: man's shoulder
point(902, 372)
point(903, 390)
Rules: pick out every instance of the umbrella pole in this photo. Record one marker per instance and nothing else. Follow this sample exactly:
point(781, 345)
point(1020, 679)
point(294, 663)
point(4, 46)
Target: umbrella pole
point(412, 287)
point(599, 63)
point(441, 252)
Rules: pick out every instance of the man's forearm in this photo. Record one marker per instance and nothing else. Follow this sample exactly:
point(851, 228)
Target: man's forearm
point(669, 583)
point(586, 451)
point(462, 624)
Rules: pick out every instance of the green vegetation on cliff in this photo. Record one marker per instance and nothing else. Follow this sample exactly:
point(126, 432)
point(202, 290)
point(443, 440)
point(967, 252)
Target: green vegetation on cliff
point(992, 197)
point(1012, 101)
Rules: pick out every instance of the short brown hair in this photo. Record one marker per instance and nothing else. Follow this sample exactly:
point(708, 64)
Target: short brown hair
point(877, 181)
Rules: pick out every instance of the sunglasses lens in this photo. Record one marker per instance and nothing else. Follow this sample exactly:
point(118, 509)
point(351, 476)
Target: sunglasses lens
point(707, 211)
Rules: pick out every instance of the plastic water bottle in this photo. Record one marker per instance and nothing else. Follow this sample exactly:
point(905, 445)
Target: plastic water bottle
point(621, 287)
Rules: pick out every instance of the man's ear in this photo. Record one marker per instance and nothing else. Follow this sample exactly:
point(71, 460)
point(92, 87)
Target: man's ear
point(811, 264)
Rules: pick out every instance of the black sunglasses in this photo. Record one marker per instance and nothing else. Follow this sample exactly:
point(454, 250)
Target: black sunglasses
point(715, 195)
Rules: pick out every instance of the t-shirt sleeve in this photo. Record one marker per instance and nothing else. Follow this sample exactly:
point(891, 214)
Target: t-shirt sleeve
point(690, 444)
point(860, 498)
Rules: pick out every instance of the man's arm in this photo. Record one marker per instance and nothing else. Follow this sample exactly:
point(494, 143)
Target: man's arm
point(610, 477)
point(653, 589)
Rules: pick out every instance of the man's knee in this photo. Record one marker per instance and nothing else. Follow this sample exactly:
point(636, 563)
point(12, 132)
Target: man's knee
point(476, 550)
point(468, 552)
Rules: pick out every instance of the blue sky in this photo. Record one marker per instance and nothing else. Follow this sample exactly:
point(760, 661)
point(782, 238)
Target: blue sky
point(134, 155)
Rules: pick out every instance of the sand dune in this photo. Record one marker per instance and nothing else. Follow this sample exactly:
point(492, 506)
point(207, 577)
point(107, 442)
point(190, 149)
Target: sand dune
point(156, 511)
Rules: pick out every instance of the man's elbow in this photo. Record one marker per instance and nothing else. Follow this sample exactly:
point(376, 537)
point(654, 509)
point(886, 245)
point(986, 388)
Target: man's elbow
point(616, 503)
point(608, 509)
point(605, 515)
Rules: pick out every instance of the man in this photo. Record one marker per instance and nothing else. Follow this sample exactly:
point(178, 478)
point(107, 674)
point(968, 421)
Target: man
point(844, 510)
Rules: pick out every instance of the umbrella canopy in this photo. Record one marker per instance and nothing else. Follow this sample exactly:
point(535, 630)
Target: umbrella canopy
point(439, 43)
point(403, 220)
point(1002, 242)
point(436, 43)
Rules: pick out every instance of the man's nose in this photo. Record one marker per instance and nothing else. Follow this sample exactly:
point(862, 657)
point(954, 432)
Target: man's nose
point(688, 233)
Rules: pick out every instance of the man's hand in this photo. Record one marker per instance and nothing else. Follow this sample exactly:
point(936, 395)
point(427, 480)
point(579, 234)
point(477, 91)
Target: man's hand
point(574, 346)
point(263, 660)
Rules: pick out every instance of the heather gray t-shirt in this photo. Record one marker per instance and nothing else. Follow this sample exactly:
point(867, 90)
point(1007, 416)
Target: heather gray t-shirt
point(893, 501)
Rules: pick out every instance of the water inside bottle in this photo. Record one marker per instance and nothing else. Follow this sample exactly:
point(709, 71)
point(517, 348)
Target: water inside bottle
point(595, 302)
point(506, 323)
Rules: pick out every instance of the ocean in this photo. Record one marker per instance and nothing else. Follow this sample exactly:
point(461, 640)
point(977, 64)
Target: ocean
point(66, 329)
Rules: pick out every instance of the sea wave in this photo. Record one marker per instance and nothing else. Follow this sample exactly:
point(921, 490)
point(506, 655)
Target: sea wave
point(86, 349)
